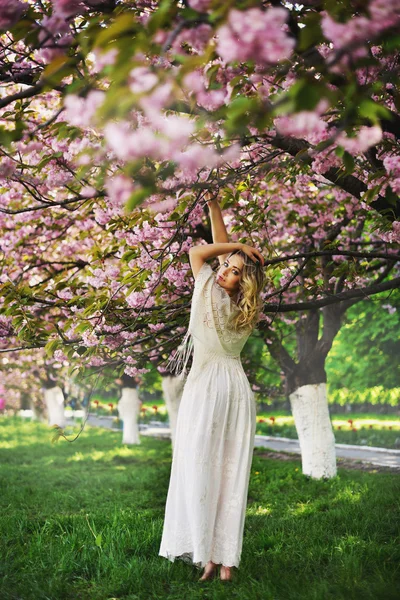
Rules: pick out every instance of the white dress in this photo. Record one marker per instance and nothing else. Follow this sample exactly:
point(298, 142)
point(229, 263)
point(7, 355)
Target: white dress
point(207, 495)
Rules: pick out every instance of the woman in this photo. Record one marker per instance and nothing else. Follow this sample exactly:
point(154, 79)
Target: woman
point(207, 496)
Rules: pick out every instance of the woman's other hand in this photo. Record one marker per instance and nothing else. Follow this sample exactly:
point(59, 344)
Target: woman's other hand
point(253, 253)
point(211, 199)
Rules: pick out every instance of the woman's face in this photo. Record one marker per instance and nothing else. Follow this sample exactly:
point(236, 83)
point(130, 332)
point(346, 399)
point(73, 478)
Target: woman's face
point(230, 273)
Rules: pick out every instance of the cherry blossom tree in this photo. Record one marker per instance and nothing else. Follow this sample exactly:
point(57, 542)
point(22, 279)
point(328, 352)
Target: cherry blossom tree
point(118, 117)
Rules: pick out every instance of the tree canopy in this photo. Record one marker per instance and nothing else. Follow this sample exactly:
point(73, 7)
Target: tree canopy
point(118, 118)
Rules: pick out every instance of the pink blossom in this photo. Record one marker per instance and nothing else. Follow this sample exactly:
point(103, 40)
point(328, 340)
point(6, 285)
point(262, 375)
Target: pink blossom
point(90, 338)
point(133, 371)
point(304, 124)
point(325, 160)
point(112, 271)
point(342, 34)
point(104, 59)
point(391, 309)
point(244, 37)
point(128, 144)
point(80, 111)
point(163, 206)
point(68, 8)
point(392, 165)
point(96, 361)
point(10, 12)
point(196, 157)
point(140, 299)
point(60, 356)
point(212, 99)
point(119, 189)
point(200, 5)
point(88, 191)
point(65, 294)
point(365, 138)
point(7, 167)
point(385, 12)
point(98, 279)
point(391, 236)
point(195, 37)
point(102, 216)
point(194, 81)
point(153, 103)
point(175, 128)
point(141, 79)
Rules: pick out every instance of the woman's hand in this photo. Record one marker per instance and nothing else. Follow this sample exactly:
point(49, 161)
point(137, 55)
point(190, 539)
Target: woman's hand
point(253, 253)
point(211, 199)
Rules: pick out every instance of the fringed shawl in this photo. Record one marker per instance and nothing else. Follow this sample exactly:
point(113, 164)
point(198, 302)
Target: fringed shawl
point(210, 311)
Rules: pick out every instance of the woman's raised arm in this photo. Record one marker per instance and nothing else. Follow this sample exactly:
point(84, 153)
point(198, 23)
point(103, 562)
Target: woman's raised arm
point(198, 255)
point(218, 229)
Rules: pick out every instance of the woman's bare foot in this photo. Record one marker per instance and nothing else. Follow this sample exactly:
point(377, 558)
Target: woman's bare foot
point(209, 571)
point(225, 573)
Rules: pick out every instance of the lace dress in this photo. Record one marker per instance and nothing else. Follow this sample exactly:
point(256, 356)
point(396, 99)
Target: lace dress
point(207, 495)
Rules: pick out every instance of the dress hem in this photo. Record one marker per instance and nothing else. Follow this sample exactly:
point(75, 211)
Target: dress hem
point(187, 557)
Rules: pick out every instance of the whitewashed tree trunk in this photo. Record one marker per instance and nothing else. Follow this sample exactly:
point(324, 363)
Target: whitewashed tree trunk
point(314, 429)
point(54, 399)
point(172, 387)
point(128, 410)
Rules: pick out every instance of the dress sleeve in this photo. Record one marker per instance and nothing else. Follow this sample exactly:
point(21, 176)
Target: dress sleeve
point(205, 273)
point(210, 302)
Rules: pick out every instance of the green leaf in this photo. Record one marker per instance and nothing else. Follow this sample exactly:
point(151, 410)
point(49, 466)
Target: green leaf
point(98, 540)
point(122, 24)
point(348, 162)
point(373, 111)
point(391, 197)
point(162, 16)
point(311, 34)
point(51, 347)
point(138, 197)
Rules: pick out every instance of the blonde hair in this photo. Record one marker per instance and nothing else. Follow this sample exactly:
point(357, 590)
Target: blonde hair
point(249, 301)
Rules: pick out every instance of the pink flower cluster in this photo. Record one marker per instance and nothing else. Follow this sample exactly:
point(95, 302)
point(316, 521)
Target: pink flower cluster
point(365, 138)
point(10, 12)
point(255, 35)
point(211, 100)
point(68, 8)
point(80, 111)
point(391, 236)
point(392, 166)
point(133, 371)
point(200, 5)
point(166, 136)
point(358, 30)
point(140, 299)
point(119, 188)
point(305, 124)
point(195, 38)
point(325, 160)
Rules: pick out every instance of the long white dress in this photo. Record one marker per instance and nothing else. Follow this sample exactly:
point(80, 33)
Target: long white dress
point(207, 495)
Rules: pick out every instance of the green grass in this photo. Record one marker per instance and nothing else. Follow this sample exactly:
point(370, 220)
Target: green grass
point(83, 521)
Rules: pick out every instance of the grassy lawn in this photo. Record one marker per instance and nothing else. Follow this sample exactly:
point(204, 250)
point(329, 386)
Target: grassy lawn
point(83, 521)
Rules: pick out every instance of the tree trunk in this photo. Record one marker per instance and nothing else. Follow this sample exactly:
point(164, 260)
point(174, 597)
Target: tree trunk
point(128, 410)
point(54, 399)
point(306, 388)
point(172, 388)
point(314, 429)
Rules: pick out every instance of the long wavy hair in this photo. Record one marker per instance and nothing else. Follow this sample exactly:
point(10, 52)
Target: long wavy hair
point(249, 300)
